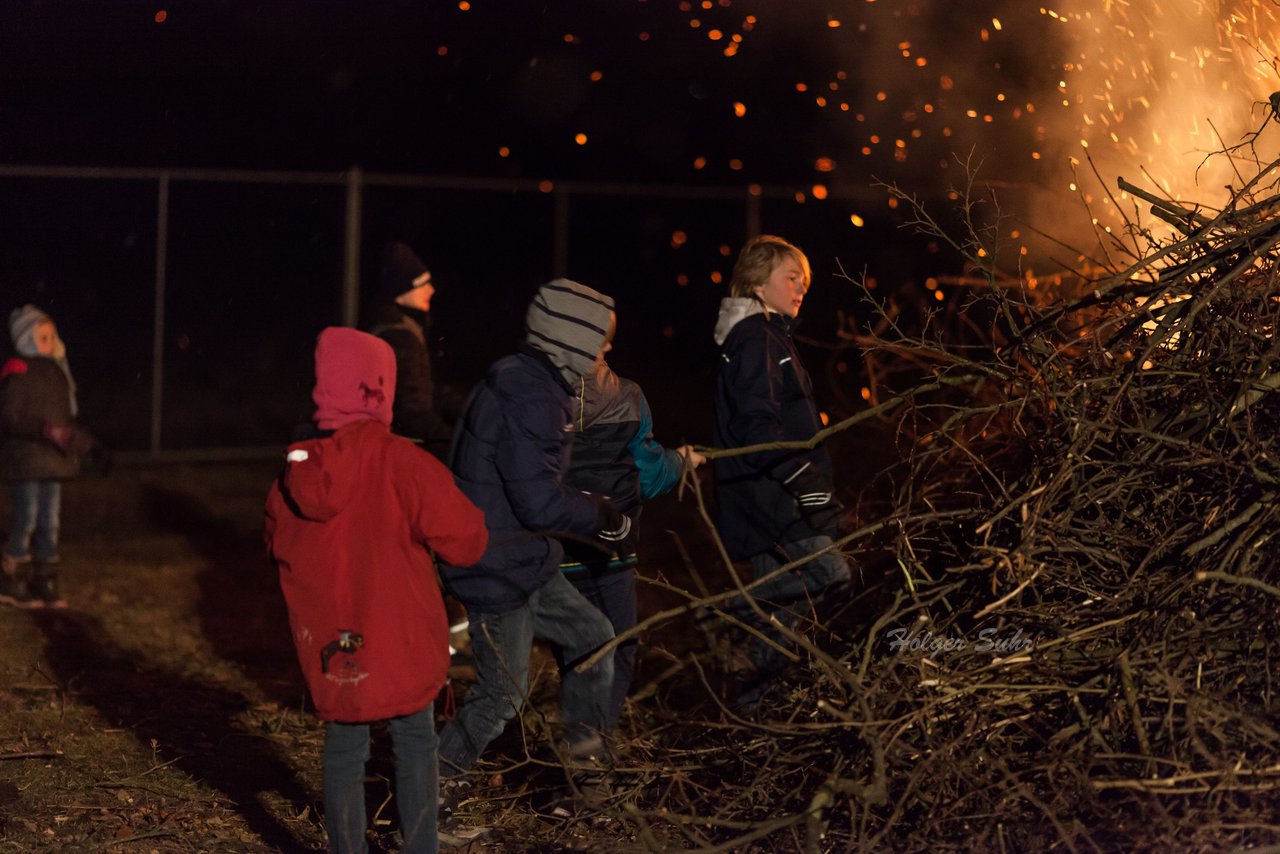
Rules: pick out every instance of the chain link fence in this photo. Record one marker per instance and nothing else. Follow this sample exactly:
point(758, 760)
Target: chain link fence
point(190, 298)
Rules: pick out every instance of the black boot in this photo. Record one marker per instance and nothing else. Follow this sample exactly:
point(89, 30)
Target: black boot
point(44, 586)
point(14, 587)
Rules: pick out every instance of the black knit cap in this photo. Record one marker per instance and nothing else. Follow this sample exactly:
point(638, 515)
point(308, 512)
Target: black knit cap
point(400, 266)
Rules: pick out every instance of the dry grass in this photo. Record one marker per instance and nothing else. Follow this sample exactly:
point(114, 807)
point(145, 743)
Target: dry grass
point(160, 711)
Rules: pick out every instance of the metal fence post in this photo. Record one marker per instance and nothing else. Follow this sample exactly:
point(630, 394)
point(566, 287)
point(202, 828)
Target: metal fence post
point(157, 340)
point(351, 252)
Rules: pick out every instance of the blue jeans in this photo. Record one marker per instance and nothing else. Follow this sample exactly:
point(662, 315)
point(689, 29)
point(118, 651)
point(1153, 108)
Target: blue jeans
point(37, 505)
point(614, 593)
point(501, 644)
point(788, 597)
point(346, 750)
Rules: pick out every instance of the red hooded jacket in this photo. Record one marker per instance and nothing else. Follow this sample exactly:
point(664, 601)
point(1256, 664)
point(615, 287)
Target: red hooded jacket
point(349, 523)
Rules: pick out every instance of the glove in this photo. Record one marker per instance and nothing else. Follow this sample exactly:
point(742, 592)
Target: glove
point(59, 434)
point(68, 438)
point(614, 530)
point(816, 501)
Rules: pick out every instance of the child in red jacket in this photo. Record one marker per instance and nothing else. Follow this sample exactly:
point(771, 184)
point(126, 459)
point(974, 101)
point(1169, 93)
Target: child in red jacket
point(349, 523)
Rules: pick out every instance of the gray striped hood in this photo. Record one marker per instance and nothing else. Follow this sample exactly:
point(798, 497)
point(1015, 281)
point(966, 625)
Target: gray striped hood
point(569, 323)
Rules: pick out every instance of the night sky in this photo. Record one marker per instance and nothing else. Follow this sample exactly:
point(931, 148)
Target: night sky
point(714, 92)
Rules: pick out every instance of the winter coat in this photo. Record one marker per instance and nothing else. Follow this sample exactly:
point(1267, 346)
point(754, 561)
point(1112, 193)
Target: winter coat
point(415, 415)
point(763, 395)
point(615, 454)
point(510, 452)
point(34, 396)
point(350, 522)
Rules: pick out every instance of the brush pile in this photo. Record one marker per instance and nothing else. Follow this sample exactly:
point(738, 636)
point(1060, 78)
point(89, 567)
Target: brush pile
point(1077, 642)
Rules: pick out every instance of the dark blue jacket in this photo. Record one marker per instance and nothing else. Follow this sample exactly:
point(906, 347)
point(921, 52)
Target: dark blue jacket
point(615, 454)
point(509, 455)
point(763, 394)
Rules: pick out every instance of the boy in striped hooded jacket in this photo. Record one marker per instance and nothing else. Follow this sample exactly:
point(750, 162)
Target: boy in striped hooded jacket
point(509, 455)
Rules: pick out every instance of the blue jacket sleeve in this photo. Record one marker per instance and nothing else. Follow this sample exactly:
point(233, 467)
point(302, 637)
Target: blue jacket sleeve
point(659, 467)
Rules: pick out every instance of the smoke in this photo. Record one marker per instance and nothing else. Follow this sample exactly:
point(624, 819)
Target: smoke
point(1055, 103)
point(1173, 96)
point(1169, 95)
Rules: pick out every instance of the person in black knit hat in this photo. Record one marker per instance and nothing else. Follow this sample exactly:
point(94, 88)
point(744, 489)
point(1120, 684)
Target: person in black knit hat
point(399, 312)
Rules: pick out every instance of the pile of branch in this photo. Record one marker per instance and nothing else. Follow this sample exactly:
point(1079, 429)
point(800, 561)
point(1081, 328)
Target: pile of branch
point(1074, 646)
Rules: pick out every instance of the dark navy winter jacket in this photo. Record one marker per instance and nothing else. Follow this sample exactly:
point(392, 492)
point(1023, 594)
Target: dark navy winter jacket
point(509, 455)
point(763, 394)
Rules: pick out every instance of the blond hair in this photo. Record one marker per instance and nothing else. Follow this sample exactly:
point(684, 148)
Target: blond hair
point(759, 257)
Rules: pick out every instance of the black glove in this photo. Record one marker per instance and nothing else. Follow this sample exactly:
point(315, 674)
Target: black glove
point(614, 530)
point(816, 500)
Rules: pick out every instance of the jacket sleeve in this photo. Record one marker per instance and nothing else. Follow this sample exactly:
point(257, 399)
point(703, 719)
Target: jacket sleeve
point(660, 468)
point(20, 413)
point(754, 379)
point(529, 462)
point(440, 516)
point(269, 516)
point(415, 412)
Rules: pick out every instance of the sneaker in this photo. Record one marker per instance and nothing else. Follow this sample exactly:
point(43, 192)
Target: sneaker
point(591, 786)
point(15, 591)
point(449, 828)
point(455, 835)
point(453, 791)
point(588, 796)
point(44, 587)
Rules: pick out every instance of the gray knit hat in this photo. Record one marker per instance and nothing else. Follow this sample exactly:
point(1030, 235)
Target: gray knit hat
point(569, 322)
point(22, 329)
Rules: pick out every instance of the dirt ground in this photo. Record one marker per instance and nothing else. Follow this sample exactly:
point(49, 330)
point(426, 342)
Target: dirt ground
point(164, 709)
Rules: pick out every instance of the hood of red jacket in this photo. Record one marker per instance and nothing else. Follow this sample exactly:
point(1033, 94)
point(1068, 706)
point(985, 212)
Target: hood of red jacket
point(321, 474)
point(355, 378)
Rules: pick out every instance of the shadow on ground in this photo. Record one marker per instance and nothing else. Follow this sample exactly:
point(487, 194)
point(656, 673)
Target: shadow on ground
point(188, 722)
point(242, 611)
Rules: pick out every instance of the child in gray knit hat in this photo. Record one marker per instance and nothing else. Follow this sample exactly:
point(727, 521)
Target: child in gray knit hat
point(40, 446)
